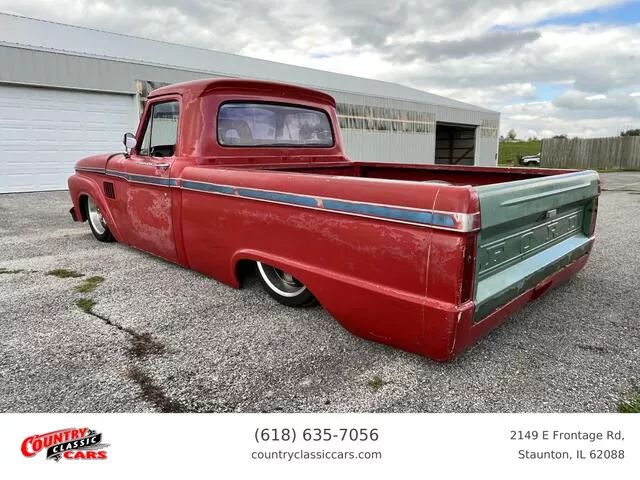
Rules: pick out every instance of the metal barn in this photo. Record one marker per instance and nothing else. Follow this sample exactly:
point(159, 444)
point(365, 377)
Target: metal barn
point(67, 92)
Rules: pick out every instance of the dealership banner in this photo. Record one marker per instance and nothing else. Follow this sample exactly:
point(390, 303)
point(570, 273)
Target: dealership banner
point(332, 446)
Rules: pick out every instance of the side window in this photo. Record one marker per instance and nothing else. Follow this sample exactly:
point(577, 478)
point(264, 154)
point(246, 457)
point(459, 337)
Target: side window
point(159, 139)
point(144, 146)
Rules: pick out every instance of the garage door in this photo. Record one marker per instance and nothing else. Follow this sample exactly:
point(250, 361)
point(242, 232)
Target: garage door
point(43, 132)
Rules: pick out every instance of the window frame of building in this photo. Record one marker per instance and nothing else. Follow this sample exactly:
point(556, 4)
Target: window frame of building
point(373, 118)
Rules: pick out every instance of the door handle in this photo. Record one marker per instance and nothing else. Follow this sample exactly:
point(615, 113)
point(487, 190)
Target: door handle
point(162, 166)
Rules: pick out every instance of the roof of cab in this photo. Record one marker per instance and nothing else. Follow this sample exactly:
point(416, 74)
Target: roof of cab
point(197, 88)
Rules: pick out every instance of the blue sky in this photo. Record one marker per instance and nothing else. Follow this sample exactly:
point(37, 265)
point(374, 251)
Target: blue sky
point(625, 14)
point(549, 91)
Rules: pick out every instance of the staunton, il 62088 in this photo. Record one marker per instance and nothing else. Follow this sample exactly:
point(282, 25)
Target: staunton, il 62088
point(427, 258)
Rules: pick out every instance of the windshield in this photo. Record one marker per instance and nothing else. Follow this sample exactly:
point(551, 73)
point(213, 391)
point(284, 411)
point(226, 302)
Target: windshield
point(263, 124)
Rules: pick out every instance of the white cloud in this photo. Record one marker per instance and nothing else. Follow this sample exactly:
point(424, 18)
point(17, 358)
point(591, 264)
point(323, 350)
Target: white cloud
point(487, 52)
point(577, 100)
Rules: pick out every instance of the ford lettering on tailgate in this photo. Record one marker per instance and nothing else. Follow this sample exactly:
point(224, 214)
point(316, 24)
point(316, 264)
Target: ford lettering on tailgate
point(497, 254)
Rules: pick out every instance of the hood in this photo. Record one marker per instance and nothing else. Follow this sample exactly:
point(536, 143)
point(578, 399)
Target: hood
point(97, 161)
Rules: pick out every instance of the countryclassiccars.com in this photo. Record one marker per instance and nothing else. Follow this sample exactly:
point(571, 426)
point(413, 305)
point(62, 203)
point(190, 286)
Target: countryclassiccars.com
point(224, 174)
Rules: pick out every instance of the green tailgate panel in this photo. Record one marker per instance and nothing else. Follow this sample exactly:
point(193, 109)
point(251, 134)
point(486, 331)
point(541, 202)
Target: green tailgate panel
point(529, 230)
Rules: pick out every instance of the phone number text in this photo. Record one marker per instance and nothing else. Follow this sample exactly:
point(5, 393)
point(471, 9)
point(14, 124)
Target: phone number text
point(290, 435)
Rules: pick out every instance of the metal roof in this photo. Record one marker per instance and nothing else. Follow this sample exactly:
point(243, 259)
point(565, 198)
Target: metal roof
point(51, 36)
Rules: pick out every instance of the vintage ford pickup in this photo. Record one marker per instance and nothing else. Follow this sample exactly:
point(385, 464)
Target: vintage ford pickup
point(228, 173)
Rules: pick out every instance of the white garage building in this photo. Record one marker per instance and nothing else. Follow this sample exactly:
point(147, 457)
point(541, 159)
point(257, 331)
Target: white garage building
point(67, 92)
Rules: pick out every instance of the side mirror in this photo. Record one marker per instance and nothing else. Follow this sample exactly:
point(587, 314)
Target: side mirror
point(130, 142)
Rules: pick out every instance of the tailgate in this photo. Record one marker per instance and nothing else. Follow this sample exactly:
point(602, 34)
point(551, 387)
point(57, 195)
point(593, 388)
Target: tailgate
point(529, 230)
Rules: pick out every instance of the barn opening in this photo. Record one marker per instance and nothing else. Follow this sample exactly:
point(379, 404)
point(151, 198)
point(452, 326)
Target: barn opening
point(455, 144)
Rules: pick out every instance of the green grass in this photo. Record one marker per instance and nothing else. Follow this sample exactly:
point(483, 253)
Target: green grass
point(6, 270)
point(89, 285)
point(630, 405)
point(376, 383)
point(510, 151)
point(64, 273)
point(85, 304)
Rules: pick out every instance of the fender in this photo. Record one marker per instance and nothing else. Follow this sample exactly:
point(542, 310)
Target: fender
point(306, 273)
point(348, 299)
point(302, 272)
point(79, 186)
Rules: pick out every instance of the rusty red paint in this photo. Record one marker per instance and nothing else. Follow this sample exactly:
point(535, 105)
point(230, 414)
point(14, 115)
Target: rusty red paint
point(398, 283)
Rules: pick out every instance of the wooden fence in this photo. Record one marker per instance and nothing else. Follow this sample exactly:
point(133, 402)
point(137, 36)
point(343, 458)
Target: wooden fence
point(613, 152)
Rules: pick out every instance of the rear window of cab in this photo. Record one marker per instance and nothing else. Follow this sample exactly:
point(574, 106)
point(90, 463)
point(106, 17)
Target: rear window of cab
point(250, 124)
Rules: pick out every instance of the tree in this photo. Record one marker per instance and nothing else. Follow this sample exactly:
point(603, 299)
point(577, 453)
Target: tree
point(512, 135)
point(631, 133)
point(563, 136)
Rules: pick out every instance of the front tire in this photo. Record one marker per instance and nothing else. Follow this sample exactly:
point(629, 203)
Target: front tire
point(284, 287)
point(97, 222)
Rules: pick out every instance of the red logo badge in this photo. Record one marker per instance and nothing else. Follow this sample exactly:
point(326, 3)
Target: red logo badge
point(70, 443)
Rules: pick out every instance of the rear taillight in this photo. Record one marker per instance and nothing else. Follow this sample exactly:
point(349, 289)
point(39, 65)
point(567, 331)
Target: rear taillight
point(593, 210)
point(468, 271)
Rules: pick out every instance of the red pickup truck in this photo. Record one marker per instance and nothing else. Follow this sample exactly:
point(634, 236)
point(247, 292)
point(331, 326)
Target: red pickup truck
point(427, 258)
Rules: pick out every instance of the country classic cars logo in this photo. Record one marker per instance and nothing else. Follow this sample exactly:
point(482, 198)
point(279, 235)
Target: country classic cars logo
point(70, 443)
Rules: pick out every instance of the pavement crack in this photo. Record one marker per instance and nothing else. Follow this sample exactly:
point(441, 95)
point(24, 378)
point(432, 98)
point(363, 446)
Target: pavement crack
point(591, 348)
point(142, 344)
point(154, 393)
point(9, 271)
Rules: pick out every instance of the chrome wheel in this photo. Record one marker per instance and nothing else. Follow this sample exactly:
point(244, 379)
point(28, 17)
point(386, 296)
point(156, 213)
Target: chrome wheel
point(95, 217)
point(280, 282)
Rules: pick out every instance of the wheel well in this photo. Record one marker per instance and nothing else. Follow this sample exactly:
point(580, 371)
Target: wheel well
point(83, 206)
point(244, 269)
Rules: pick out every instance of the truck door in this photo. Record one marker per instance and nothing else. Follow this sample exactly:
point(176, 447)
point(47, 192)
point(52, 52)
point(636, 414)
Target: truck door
point(146, 175)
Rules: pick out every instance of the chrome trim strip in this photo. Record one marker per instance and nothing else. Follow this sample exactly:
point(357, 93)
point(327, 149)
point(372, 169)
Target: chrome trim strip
point(206, 187)
point(278, 197)
point(90, 169)
point(425, 217)
point(452, 221)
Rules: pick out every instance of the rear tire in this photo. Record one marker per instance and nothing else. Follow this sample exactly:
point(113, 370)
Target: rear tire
point(283, 287)
point(97, 222)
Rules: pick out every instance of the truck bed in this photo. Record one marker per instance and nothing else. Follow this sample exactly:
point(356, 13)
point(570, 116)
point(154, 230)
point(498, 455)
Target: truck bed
point(496, 238)
point(455, 175)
